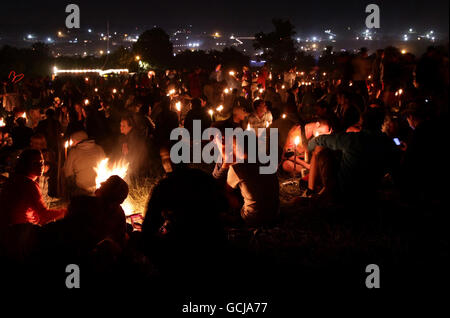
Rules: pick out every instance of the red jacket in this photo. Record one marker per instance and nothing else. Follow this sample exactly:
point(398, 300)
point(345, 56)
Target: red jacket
point(21, 202)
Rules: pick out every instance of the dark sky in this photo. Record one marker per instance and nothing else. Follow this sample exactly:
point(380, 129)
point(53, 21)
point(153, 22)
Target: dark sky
point(238, 16)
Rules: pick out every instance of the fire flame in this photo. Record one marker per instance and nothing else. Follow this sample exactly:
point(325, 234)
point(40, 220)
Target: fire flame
point(104, 171)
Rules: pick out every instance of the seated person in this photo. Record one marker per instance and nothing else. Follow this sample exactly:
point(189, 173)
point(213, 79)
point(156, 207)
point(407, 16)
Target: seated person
point(182, 225)
point(21, 199)
point(93, 219)
point(303, 134)
point(261, 117)
point(365, 157)
point(260, 192)
point(84, 155)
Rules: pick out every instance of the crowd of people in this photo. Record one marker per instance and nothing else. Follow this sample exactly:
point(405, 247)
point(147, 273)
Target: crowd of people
point(342, 136)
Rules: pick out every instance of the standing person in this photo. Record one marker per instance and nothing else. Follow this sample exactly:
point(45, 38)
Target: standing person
point(216, 75)
point(165, 122)
point(133, 148)
point(77, 119)
point(21, 134)
point(195, 86)
point(197, 112)
point(79, 166)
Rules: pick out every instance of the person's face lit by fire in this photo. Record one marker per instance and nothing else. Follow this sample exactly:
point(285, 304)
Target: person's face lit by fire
point(240, 114)
point(125, 127)
point(37, 166)
point(321, 129)
point(262, 109)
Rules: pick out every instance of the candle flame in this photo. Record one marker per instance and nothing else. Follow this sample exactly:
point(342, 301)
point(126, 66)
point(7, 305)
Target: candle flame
point(2, 122)
point(283, 116)
point(220, 108)
point(178, 106)
point(297, 140)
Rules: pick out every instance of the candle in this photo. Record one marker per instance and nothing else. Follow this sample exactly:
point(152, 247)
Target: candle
point(66, 146)
point(211, 112)
point(296, 142)
point(178, 108)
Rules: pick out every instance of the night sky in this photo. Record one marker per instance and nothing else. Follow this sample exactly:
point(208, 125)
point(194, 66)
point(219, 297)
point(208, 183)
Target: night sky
point(245, 17)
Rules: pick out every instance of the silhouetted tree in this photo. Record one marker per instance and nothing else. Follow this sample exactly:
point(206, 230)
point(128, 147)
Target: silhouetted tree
point(278, 46)
point(155, 48)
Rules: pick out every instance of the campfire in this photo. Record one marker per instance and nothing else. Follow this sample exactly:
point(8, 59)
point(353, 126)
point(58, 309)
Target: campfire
point(104, 171)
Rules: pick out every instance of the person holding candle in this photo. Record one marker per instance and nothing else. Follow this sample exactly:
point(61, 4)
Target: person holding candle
point(305, 133)
point(349, 166)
